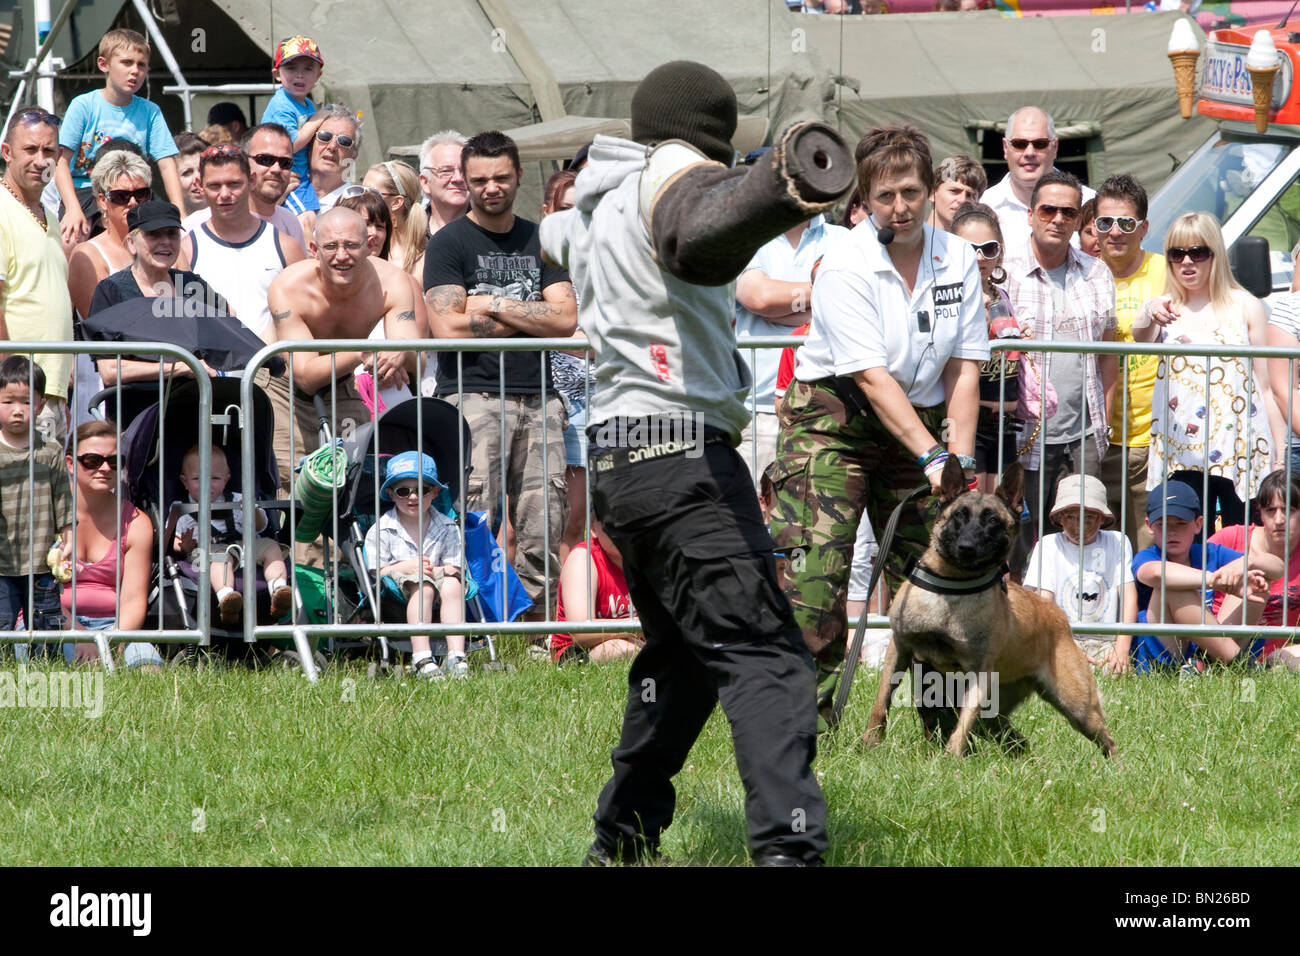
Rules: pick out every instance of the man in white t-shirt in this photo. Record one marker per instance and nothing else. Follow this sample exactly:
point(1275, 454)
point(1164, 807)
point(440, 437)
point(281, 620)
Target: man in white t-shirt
point(1030, 146)
point(270, 157)
point(1088, 572)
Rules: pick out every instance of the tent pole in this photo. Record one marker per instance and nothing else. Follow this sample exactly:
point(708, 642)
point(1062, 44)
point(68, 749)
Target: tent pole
point(142, 8)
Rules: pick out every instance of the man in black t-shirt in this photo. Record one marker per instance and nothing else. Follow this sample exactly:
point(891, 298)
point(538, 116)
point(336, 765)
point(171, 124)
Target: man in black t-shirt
point(484, 278)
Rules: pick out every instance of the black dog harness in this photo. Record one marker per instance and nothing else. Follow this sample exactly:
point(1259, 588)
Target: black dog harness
point(927, 580)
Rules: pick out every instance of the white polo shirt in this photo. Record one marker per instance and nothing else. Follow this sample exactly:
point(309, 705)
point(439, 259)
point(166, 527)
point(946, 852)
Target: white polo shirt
point(1013, 215)
point(863, 316)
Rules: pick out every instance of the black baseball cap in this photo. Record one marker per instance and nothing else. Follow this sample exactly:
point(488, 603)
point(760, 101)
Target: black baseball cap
point(153, 215)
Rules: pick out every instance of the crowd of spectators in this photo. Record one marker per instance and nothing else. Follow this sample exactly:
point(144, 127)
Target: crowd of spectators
point(263, 225)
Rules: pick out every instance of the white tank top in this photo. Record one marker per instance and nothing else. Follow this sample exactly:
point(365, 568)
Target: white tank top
point(241, 272)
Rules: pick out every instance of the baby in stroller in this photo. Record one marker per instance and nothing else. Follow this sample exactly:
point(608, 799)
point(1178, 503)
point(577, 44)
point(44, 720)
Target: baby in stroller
point(424, 567)
point(227, 539)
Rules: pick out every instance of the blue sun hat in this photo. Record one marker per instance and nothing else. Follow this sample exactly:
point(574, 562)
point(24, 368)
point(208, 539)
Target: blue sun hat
point(411, 466)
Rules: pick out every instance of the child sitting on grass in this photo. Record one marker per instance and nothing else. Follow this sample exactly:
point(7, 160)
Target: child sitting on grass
point(227, 535)
point(417, 544)
point(596, 590)
point(1173, 590)
point(1087, 571)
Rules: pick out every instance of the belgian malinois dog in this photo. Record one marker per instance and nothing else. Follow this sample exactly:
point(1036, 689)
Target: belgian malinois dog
point(958, 614)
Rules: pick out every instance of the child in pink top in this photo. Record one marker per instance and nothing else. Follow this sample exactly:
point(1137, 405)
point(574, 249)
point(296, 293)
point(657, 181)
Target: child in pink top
point(598, 575)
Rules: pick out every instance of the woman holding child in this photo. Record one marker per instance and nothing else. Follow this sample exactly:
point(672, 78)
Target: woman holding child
point(114, 544)
point(1224, 423)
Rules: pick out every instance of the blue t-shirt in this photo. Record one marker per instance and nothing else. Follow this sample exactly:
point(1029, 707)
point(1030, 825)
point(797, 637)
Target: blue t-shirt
point(1216, 556)
point(91, 121)
point(291, 114)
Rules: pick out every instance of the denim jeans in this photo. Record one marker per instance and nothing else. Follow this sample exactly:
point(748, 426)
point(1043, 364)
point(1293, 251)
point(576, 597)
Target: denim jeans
point(47, 615)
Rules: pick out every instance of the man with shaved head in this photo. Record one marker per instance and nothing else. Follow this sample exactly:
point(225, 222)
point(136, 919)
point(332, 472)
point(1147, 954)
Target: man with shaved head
point(1030, 146)
point(341, 293)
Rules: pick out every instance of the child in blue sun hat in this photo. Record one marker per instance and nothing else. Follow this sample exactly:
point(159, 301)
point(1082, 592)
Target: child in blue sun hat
point(417, 545)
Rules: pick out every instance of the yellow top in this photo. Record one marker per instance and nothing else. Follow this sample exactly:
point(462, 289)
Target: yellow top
point(34, 294)
point(1130, 295)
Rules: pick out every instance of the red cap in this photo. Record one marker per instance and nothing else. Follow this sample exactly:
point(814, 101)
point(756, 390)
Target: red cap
point(295, 47)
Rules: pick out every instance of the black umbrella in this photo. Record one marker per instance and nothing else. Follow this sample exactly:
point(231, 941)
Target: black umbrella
point(219, 339)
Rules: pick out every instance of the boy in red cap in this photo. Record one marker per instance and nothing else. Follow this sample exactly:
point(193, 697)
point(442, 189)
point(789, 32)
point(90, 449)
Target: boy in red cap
point(297, 68)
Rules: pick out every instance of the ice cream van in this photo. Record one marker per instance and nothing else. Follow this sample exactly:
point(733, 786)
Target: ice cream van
point(1247, 174)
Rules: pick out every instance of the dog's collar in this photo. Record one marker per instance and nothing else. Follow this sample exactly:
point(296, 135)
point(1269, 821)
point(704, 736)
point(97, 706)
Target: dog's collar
point(927, 580)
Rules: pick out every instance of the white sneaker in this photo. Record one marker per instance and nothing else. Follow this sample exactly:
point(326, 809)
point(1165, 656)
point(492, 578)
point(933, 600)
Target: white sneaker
point(428, 669)
point(456, 667)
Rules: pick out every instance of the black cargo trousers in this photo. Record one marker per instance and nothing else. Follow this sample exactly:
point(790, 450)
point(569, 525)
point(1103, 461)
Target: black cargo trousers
point(699, 568)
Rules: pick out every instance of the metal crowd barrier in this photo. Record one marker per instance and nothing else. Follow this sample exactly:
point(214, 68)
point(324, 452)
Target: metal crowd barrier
point(37, 550)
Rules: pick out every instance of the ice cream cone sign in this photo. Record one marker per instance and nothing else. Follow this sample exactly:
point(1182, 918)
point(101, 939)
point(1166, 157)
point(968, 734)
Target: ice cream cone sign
point(1183, 54)
point(1261, 63)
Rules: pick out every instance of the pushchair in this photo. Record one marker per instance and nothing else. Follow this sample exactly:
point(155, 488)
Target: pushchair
point(154, 444)
point(436, 428)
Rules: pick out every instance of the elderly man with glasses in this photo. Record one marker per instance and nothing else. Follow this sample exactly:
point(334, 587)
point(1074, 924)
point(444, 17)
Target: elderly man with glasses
point(1030, 147)
point(34, 302)
point(441, 178)
point(1066, 296)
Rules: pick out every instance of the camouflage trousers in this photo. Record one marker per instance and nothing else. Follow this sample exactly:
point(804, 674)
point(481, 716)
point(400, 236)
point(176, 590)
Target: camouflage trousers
point(534, 493)
point(831, 467)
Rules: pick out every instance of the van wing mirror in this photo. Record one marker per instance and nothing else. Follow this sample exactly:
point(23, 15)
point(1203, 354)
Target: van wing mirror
point(1250, 265)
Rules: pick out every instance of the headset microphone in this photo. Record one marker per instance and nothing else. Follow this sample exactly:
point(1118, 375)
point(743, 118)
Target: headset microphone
point(884, 235)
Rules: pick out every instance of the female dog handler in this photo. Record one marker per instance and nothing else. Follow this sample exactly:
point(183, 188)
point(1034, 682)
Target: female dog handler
point(898, 334)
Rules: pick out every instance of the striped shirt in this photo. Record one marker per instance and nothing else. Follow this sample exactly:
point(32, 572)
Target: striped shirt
point(35, 505)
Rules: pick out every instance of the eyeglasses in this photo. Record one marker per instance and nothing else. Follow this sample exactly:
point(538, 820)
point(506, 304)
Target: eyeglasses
point(225, 149)
point(1047, 213)
point(1020, 145)
point(356, 189)
point(445, 173)
point(92, 462)
point(344, 140)
point(122, 197)
point(987, 250)
point(34, 114)
point(268, 160)
point(407, 491)
point(1195, 253)
point(1127, 224)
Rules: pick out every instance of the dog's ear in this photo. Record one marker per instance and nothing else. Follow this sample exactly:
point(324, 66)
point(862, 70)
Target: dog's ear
point(1011, 487)
point(952, 482)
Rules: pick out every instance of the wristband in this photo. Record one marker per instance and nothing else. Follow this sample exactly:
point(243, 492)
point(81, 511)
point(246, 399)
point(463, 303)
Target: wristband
point(935, 464)
point(934, 452)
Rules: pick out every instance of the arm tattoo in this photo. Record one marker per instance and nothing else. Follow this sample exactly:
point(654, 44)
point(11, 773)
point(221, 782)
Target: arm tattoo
point(446, 298)
point(407, 316)
point(483, 326)
point(278, 317)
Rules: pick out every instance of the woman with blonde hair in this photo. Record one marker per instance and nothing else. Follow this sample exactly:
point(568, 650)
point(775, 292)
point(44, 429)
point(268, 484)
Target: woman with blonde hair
point(1209, 416)
point(399, 185)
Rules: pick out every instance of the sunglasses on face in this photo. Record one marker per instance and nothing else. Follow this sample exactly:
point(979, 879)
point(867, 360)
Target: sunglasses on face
point(1195, 253)
point(268, 160)
point(121, 197)
point(92, 462)
point(410, 491)
point(1126, 224)
point(1020, 145)
point(344, 140)
point(987, 250)
point(1048, 213)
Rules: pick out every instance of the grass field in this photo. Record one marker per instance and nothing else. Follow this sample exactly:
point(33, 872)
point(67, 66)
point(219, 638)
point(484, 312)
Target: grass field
point(233, 767)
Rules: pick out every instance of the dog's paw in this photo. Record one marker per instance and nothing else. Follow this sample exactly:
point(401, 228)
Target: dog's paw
point(873, 738)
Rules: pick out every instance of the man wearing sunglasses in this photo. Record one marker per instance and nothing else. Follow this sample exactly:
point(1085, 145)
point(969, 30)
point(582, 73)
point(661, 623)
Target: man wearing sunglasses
point(34, 302)
point(333, 153)
point(270, 161)
point(1030, 146)
point(1067, 296)
point(1139, 275)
